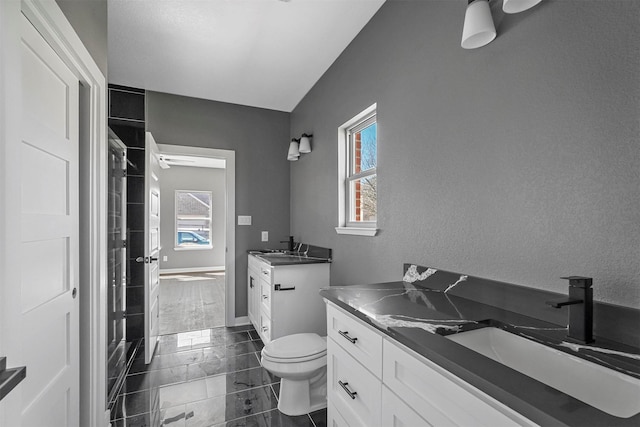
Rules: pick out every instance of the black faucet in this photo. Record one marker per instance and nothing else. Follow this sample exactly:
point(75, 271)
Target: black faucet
point(580, 304)
point(290, 242)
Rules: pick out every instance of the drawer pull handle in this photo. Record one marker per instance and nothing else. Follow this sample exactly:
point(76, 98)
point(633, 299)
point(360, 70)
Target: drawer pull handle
point(346, 335)
point(352, 394)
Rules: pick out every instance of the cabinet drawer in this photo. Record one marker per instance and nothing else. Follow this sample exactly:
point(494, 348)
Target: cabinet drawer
point(438, 396)
point(254, 263)
point(334, 419)
point(265, 297)
point(265, 273)
point(357, 338)
point(354, 391)
point(396, 413)
point(265, 328)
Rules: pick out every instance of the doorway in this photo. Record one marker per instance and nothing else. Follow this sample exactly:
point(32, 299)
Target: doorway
point(196, 273)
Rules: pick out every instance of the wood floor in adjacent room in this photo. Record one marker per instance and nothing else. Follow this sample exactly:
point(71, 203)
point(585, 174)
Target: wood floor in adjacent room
point(191, 301)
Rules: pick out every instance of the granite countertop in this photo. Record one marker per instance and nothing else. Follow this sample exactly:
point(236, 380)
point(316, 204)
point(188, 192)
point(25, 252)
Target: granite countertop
point(308, 255)
point(419, 317)
point(276, 259)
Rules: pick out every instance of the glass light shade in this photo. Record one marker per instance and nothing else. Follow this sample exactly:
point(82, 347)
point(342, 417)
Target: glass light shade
point(293, 151)
point(478, 29)
point(305, 144)
point(515, 6)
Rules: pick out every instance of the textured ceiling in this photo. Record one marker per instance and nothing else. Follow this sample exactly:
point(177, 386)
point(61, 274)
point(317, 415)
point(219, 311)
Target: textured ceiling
point(261, 53)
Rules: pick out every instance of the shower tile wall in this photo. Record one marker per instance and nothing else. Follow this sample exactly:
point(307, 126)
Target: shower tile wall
point(127, 120)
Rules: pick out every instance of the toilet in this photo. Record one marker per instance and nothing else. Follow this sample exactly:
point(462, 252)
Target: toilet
point(300, 360)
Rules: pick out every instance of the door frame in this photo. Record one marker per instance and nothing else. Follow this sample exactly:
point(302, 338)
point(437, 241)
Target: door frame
point(230, 230)
point(48, 19)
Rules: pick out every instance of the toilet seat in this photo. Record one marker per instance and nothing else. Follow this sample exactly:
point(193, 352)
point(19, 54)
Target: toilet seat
point(296, 348)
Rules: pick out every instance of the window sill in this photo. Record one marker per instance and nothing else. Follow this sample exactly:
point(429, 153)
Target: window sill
point(354, 231)
point(193, 248)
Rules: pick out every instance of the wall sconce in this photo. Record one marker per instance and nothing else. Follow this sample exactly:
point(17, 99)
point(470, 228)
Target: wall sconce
point(305, 143)
point(294, 151)
point(478, 29)
point(299, 146)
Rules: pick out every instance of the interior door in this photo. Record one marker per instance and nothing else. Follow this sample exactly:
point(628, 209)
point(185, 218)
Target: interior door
point(151, 247)
point(44, 325)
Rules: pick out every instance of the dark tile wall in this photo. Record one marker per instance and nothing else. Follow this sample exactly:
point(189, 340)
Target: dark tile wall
point(127, 120)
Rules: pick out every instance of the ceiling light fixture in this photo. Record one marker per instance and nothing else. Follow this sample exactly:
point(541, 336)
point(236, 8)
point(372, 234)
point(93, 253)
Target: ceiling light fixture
point(478, 29)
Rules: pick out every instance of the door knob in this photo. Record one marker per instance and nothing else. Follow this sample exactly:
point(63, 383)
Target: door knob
point(74, 293)
point(140, 259)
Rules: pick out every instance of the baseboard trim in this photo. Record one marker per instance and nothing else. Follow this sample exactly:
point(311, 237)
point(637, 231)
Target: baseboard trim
point(191, 269)
point(241, 321)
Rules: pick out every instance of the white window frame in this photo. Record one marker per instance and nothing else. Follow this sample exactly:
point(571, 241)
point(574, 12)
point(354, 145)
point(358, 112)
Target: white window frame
point(345, 226)
point(177, 247)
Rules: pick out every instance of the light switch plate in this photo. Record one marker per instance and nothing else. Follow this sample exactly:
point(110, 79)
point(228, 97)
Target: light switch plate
point(244, 219)
point(265, 236)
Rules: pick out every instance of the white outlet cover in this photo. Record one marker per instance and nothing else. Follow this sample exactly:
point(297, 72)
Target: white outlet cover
point(265, 236)
point(244, 219)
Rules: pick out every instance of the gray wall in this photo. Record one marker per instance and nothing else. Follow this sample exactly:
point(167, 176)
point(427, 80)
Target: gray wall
point(89, 19)
point(518, 161)
point(260, 140)
point(196, 179)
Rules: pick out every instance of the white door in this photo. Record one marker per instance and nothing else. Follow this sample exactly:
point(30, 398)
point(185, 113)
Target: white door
point(43, 327)
point(151, 247)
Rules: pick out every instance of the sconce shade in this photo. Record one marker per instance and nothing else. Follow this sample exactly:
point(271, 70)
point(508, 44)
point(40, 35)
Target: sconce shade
point(515, 6)
point(478, 29)
point(305, 144)
point(293, 151)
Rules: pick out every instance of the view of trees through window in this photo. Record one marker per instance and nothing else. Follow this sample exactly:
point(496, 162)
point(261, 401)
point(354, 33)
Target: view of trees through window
point(193, 218)
point(363, 192)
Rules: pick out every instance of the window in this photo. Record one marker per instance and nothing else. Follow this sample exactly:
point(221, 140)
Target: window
point(193, 219)
point(357, 177)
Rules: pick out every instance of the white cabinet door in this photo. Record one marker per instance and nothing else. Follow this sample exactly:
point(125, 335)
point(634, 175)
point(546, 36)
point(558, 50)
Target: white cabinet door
point(253, 285)
point(354, 391)
point(396, 413)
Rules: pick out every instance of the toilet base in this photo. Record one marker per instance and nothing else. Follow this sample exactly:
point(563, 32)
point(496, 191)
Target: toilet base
point(300, 397)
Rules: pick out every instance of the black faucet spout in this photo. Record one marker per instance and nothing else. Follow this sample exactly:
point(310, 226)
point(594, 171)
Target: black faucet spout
point(580, 304)
point(562, 303)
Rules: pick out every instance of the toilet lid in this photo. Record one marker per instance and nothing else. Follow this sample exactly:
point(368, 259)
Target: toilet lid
point(296, 346)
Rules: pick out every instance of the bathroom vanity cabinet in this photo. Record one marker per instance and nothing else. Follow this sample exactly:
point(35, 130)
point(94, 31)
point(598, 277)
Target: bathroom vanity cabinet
point(375, 381)
point(285, 299)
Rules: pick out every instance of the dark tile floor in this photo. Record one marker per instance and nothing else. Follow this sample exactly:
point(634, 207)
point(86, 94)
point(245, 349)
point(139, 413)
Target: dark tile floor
point(211, 377)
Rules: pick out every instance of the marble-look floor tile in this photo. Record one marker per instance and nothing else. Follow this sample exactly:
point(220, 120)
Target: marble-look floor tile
point(233, 382)
point(147, 380)
point(132, 404)
point(162, 361)
point(182, 393)
point(229, 407)
point(216, 365)
point(319, 418)
point(143, 420)
point(219, 366)
point(273, 418)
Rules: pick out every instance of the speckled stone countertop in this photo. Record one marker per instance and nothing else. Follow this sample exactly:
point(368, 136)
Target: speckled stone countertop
point(419, 316)
point(284, 259)
point(308, 254)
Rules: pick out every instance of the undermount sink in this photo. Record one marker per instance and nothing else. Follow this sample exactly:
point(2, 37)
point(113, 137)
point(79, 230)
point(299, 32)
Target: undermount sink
point(605, 389)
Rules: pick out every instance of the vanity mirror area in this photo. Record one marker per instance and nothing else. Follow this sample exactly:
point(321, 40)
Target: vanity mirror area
point(442, 348)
